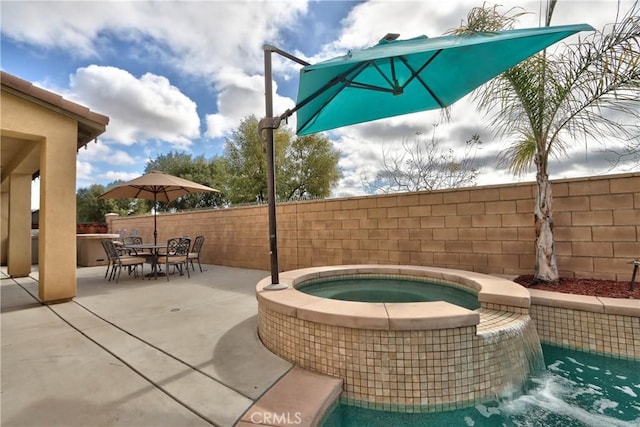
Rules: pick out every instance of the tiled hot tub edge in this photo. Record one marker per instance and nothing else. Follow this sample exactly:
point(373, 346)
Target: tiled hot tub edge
point(424, 356)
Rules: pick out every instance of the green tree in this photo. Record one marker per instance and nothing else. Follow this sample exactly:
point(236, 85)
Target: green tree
point(92, 209)
point(198, 169)
point(588, 89)
point(306, 167)
point(245, 164)
point(310, 169)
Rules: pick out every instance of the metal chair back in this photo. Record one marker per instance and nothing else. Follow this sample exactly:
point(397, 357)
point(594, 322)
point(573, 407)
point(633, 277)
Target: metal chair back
point(177, 254)
point(195, 252)
point(132, 240)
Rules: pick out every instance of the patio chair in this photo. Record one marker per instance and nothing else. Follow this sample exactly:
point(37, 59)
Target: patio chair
point(106, 251)
point(118, 261)
point(176, 255)
point(132, 240)
point(194, 253)
point(119, 249)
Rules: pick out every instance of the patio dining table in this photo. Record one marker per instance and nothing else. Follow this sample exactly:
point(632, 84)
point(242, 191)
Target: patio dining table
point(152, 256)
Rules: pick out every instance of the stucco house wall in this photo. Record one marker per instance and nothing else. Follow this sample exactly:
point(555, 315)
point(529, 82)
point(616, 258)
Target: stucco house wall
point(40, 134)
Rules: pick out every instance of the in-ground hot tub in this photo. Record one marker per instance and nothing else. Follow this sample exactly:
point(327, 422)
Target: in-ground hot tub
point(405, 356)
point(388, 288)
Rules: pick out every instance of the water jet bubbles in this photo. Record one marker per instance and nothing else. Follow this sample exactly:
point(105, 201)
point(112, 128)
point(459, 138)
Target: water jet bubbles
point(486, 411)
point(571, 359)
point(555, 366)
point(627, 390)
point(602, 405)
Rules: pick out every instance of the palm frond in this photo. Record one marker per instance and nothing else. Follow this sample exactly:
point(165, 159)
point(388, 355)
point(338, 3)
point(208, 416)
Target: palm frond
point(520, 155)
point(485, 19)
point(589, 89)
point(602, 75)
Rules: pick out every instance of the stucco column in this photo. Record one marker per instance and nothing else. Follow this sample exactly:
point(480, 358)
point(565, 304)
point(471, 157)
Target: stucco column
point(57, 236)
point(19, 245)
point(4, 226)
point(109, 220)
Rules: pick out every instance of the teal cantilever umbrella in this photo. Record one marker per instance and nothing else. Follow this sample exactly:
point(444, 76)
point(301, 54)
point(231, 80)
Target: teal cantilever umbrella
point(398, 77)
point(392, 78)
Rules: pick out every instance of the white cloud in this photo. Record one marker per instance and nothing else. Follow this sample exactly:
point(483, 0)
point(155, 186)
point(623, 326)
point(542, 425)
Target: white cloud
point(243, 96)
point(65, 25)
point(148, 108)
point(84, 171)
point(239, 96)
point(206, 39)
point(93, 158)
point(219, 45)
point(111, 176)
point(196, 36)
point(106, 152)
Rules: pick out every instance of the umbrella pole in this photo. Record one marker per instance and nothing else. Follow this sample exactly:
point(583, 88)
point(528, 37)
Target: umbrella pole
point(271, 182)
point(269, 124)
point(155, 219)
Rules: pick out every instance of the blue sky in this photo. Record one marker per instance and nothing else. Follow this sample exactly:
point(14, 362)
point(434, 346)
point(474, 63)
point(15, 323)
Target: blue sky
point(181, 75)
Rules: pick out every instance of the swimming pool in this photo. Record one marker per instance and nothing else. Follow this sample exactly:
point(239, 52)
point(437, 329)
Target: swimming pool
point(577, 389)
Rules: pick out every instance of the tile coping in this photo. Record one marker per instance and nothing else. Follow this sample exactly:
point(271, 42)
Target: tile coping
point(619, 306)
point(300, 398)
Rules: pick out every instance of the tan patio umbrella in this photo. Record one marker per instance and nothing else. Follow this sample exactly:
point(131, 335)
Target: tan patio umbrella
point(156, 186)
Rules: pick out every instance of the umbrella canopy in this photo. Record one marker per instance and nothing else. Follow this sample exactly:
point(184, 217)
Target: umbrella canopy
point(398, 77)
point(156, 186)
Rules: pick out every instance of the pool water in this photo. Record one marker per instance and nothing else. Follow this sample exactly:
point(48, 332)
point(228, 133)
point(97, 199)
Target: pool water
point(384, 289)
point(577, 390)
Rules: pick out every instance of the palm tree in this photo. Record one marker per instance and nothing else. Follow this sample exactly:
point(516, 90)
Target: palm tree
point(588, 89)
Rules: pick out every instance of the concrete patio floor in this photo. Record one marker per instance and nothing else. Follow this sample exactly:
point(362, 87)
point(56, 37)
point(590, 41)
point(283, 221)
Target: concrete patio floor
point(137, 353)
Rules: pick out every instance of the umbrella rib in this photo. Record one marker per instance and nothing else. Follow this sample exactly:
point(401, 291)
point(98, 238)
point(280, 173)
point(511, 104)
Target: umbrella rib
point(396, 89)
point(140, 190)
point(357, 85)
point(314, 115)
point(367, 86)
point(337, 79)
point(415, 74)
point(393, 70)
point(384, 76)
point(340, 78)
point(392, 84)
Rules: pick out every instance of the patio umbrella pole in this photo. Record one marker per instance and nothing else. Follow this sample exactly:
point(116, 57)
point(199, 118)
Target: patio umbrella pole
point(155, 219)
point(271, 182)
point(269, 124)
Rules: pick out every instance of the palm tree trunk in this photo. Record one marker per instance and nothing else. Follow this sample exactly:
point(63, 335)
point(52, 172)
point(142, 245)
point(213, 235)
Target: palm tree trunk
point(546, 266)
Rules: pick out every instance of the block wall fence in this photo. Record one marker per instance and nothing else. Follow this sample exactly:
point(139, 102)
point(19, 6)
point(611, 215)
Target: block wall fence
point(488, 229)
